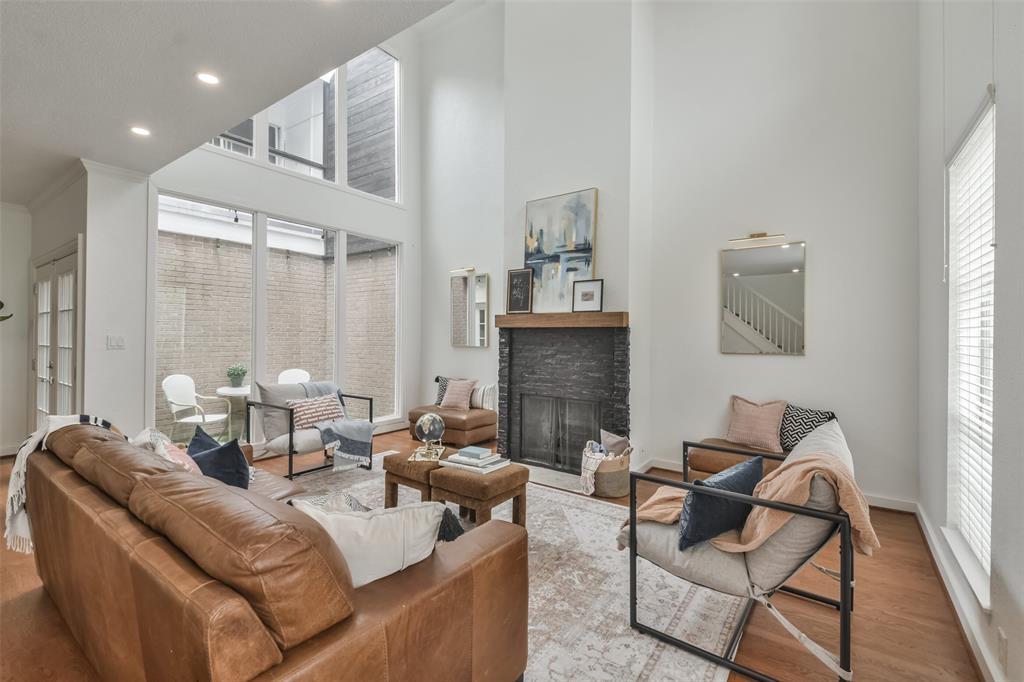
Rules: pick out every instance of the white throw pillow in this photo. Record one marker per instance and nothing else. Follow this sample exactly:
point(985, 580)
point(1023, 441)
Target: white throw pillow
point(378, 543)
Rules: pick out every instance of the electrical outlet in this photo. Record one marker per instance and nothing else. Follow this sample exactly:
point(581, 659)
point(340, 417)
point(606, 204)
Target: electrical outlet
point(1004, 649)
point(115, 343)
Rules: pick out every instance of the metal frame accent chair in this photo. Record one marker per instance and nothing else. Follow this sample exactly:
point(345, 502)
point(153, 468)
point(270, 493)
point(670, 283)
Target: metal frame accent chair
point(292, 449)
point(824, 523)
point(180, 393)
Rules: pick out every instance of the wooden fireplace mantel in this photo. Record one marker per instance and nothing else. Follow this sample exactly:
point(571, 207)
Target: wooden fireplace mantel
point(561, 320)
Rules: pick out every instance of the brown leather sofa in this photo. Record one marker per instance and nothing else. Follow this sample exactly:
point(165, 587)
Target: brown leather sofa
point(167, 575)
point(703, 462)
point(461, 427)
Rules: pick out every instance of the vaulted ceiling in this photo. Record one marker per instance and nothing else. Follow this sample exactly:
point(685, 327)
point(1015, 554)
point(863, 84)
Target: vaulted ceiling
point(76, 76)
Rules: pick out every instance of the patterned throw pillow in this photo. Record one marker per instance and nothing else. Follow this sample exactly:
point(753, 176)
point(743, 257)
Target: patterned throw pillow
point(442, 388)
point(756, 424)
point(310, 411)
point(798, 422)
point(485, 397)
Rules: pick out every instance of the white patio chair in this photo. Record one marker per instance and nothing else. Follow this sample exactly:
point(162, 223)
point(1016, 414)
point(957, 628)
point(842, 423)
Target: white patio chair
point(180, 392)
point(293, 376)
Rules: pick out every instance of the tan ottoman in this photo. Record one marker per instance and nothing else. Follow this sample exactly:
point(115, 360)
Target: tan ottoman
point(398, 470)
point(479, 493)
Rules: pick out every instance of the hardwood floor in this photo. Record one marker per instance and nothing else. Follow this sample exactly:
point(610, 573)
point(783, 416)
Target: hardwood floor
point(904, 627)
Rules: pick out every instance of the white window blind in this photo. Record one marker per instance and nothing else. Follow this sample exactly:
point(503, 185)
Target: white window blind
point(971, 207)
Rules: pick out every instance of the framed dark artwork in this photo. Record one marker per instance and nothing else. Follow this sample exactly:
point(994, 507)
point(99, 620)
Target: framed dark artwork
point(588, 295)
point(519, 291)
point(559, 246)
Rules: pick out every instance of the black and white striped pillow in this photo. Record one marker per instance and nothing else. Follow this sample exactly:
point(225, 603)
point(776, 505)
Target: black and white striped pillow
point(798, 422)
point(442, 388)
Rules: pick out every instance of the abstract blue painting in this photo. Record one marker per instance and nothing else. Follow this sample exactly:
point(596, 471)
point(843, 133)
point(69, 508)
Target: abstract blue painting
point(560, 234)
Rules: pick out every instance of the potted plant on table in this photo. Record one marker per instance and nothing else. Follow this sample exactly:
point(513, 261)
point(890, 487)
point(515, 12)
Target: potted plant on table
point(237, 373)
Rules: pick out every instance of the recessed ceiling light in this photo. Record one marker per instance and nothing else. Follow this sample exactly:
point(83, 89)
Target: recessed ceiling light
point(208, 78)
point(735, 274)
point(796, 269)
point(140, 131)
point(785, 246)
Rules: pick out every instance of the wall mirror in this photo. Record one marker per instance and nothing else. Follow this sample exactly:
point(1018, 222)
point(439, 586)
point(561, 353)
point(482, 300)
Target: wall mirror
point(468, 295)
point(762, 299)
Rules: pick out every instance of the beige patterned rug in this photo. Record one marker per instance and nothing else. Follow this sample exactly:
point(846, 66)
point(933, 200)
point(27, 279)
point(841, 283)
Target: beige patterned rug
point(579, 591)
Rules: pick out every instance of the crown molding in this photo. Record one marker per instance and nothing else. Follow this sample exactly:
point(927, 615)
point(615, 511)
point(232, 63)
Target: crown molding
point(114, 171)
point(74, 173)
point(16, 208)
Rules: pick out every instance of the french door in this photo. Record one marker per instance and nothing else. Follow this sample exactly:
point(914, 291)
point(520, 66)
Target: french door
point(55, 333)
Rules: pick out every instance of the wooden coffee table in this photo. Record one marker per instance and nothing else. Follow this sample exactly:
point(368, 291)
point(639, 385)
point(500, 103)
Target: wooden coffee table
point(398, 470)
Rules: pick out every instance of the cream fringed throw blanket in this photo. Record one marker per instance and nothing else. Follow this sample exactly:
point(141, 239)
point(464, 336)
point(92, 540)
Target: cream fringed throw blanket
point(791, 484)
point(18, 530)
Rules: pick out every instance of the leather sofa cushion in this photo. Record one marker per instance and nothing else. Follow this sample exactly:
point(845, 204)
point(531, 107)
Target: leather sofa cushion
point(454, 418)
point(115, 465)
point(479, 486)
point(279, 559)
point(66, 442)
point(273, 486)
point(711, 461)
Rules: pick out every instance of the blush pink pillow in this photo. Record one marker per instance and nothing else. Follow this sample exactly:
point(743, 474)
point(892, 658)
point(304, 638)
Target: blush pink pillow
point(756, 424)
point(179, 456)
point(458, 393)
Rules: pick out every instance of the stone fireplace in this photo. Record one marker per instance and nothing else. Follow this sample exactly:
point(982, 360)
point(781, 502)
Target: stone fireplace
point(561, 379)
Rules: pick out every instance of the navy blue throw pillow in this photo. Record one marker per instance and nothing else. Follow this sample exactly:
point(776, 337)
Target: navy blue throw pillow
point(705, 516)
point(226, 463)
point(201, 442)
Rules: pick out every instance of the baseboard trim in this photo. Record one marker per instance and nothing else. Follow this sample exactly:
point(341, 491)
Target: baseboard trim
point(892, 503)
point(960, 596)
point(7, 450)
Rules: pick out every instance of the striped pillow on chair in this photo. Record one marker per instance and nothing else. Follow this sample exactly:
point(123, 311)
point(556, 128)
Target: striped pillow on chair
point(310, 411)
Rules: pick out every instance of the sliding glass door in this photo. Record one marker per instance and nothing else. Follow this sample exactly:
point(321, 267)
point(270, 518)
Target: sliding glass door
point(220, 270)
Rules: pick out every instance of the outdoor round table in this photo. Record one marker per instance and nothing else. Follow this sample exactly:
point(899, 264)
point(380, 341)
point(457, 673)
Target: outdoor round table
point(232, 392)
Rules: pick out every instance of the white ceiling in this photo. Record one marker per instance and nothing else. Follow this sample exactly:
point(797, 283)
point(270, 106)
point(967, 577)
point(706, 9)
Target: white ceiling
point(75, 76)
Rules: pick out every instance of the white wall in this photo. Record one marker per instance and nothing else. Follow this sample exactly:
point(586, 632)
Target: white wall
point(15, 292)
point(463, 143)
point(952, 86)
point(567, 97)
point(776, 117)
point(117, 217)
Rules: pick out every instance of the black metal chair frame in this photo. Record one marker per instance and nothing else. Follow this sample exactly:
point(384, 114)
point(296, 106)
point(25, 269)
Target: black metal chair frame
point(844, 605)
point(250, 404)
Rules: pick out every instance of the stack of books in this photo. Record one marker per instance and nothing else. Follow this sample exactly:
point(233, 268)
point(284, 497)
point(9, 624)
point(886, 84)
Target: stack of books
point(477, 460)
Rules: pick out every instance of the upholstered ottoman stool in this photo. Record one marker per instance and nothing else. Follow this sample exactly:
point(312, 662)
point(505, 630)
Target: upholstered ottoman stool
point(398, 470)
point(479, 493)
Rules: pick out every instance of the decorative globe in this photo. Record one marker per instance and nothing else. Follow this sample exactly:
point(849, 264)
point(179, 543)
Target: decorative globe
point(429, 427)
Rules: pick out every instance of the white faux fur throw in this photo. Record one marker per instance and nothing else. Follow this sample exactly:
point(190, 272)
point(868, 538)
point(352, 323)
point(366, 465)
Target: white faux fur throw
point(18, 531)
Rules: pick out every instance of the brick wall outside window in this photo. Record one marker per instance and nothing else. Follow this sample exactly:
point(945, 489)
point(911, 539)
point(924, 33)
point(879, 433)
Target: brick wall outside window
point(204, 312)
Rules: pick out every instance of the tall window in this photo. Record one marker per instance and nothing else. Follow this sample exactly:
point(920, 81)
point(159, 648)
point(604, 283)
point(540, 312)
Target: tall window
point(371, 298)
point(300, 300)
point(371, 92)
point(238, 139)
point(971, 215)
point(300, 129)
point(203, 309)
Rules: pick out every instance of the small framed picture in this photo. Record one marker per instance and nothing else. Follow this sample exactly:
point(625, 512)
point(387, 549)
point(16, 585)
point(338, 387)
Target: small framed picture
point(588, 295)
point(519, 291)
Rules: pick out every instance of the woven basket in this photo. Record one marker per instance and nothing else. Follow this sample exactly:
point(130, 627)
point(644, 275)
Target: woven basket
point(611, 479)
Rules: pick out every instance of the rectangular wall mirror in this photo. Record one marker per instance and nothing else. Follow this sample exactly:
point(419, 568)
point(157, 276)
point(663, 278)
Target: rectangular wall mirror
point(468, 293)
point(762, 299)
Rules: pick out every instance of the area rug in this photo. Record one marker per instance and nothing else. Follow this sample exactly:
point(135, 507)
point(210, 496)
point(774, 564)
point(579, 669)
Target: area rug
point(579, 591)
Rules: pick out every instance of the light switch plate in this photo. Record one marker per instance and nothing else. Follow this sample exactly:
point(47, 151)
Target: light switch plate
point(115, 342)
